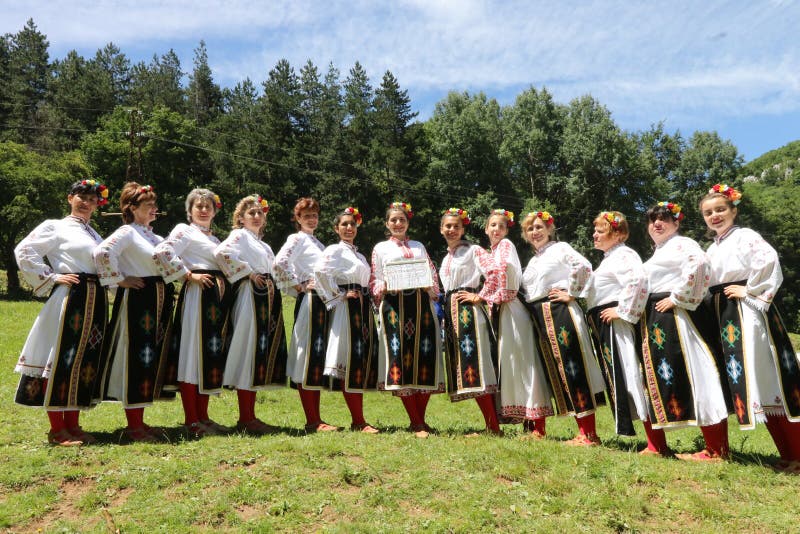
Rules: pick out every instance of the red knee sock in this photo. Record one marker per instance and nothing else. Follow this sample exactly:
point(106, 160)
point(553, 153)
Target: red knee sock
point(587, 425)
point(775, 428)
point(56, 421)
point(189, 401)
point(486, 404)
point(202, 406)
point(410, 404)
point(716, 437)
point(540, 425)
point(791, 433)
point(422, 404)
point(247, 405)
point(71, 419)
point(656, 438)
point(310, 401)
point(355, 403)
point(135, 417)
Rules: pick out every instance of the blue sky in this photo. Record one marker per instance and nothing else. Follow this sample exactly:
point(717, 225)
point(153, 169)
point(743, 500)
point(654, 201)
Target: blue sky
point(729, 66)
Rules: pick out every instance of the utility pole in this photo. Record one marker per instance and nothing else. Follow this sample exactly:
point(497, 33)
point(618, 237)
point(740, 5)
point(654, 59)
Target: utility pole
point(135, 136)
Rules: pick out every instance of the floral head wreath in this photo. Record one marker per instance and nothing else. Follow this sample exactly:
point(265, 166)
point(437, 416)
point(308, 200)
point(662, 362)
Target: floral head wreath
point(545, 216)
point(350, 210)
point(217, 202)
point(145, 189)
point(733, 195)
point(460, 213)
point(612, 218)
point(402, 206)
point(674, 209)
point(505, 213)
point(100, 190)
point(262, 202)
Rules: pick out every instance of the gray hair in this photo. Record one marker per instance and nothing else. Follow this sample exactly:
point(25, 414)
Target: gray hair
point(199, 194)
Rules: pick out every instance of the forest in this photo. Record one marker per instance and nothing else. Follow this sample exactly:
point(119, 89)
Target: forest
point(352, 139)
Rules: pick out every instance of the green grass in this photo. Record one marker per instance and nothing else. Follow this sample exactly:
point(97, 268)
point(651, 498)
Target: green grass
point(345, 481)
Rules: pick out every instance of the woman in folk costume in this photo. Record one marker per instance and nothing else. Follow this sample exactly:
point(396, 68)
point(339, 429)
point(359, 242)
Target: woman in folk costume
point(470, 362)
point(257, 353)
point(682, 376)
point(761, 366)
point(342, 281)
point(294, 272)
point(410, 362)
point(142, 314)
point(555, 276)
point(198, 348)
point(63, 359)
point(616, 298)
point(524, 393)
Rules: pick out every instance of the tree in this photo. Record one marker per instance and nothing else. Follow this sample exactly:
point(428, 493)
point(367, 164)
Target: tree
point(35, 188)
point(117, 68)
point(158, 84)
point(203, 95)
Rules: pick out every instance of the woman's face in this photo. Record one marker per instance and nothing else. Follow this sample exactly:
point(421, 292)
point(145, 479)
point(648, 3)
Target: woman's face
point(452, 229)
point(604, 237)
point(496, 229)
point(718, 214)
point(254, 219)
point(145, 213)
point(347, 228)
point(538, 233)
point(397, 223)
point(308, 220)
point(661, 230)
point(203, 212)
point(82, 205)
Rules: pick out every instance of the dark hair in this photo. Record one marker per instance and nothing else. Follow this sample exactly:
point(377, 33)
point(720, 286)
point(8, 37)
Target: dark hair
point(82, 187)
point(131, 196)
point(659, 213)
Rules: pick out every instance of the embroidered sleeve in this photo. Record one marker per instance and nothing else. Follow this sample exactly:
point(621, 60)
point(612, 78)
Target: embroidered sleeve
point(106, 256)
point(376, 282)
point(229, 256)
point(695, 277)
point(580, 272)
point(501, 255)
point(167, 254)
point(30, 253)
point(633, 296)
point(494, 283)
point(325, 277)
point(436, 288)
point(285, 274)
point(765, 271)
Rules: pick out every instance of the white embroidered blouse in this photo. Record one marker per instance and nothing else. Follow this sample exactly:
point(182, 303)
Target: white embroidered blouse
point(392, 250)
point(66, 243)
point(679, 266)
point(127, 252)
point(295, 261)
point(556, 266)
point(243, 253)
point(742, 254)
point(505, 256)
point(464, 266)
point(620, 277)
point(186, 248)
point(340, 264)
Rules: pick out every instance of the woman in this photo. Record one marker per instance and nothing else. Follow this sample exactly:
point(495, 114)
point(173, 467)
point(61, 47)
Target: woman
point(616, 299)
point(257, 354)
point(342, 281)
point(142, 314)
point(682, 376)
point(470, 362)
point(199, 341)
point(761, 366)
point(524, 393)
point(294, 271)
point(65, 344)
point(410, 361)
point(553, 279)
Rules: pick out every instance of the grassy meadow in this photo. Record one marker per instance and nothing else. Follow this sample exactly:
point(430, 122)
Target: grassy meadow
point(349, 482)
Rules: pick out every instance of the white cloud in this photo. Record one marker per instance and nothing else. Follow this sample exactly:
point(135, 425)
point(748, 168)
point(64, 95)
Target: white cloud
point(679, 58)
